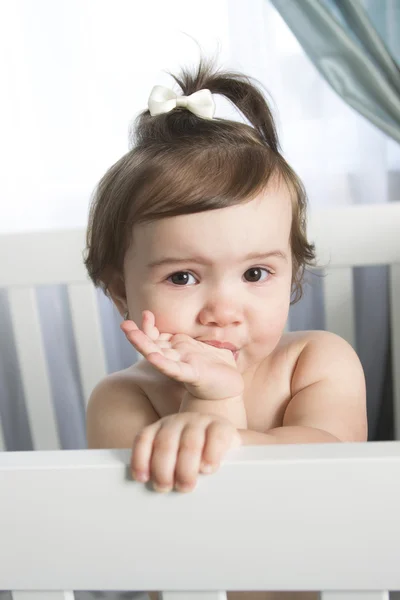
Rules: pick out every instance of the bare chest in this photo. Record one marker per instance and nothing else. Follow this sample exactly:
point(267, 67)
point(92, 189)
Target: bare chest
point(266, 398)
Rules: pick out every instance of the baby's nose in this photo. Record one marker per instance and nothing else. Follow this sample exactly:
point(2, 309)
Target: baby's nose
point(221, 312)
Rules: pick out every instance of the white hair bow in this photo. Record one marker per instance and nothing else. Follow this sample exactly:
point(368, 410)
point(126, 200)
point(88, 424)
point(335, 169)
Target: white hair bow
point(162, 100)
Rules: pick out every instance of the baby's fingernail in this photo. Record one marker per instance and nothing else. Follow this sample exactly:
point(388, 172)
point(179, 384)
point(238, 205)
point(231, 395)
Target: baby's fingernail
point(185, 487)
point(162, 489)
point(142, 476)
point(207, 468)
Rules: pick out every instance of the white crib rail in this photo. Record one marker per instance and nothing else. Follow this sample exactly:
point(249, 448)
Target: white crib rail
point(296, 517)
point(357, 235)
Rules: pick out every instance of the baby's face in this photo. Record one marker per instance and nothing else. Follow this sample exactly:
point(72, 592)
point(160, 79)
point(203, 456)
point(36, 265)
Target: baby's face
point(196, 274)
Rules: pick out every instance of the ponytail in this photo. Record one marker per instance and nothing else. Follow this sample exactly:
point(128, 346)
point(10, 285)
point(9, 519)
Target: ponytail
point(239, 89)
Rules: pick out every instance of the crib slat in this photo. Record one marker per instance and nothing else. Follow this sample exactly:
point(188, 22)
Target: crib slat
point(395, 332)
point(42, 595)
point(339, 302)
point(33, 367)
point(358, 595)
point(192, 596)
point(88, 337)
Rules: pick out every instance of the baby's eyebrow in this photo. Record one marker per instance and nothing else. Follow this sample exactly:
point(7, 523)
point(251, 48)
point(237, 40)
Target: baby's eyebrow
point(170, 260)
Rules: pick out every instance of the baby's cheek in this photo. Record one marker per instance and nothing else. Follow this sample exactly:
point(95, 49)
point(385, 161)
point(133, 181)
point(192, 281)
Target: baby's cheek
point(170, 318)
point(167, 316)
point(271, 326)
point(282, 315)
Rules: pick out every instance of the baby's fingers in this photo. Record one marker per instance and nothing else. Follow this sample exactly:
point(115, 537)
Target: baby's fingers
point(128, 326)
point(144, 341)
point(170, 364)
point(167, 449)
point(141, 452)
point(138, 339)
point(189, 457)
point(149, 325)
point(220, 437)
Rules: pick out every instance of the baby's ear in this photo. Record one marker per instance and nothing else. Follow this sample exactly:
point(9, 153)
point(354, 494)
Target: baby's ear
point(117, 291)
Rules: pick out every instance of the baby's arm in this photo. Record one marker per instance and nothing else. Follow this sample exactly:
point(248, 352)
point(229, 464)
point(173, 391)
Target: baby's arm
point(232, 409)
point(168, 451)
point(328, 401)
point(117, 410)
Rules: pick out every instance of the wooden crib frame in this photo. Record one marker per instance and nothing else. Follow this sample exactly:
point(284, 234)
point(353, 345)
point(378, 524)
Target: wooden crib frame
point(297, 517)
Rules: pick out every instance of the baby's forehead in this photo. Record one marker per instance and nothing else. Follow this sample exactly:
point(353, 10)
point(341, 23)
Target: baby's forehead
point(269, 209)
point(223, 236)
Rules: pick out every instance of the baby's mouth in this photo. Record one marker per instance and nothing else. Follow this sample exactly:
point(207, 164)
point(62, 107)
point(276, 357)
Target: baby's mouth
point(223, 346)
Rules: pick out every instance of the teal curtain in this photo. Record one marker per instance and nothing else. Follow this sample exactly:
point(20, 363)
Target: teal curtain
point(355, 45)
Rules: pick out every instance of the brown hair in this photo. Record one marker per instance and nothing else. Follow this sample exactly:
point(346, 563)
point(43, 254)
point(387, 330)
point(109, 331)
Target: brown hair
point(182, 164)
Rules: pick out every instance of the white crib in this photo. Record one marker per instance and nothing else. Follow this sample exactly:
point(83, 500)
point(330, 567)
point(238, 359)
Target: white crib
point(317, 517)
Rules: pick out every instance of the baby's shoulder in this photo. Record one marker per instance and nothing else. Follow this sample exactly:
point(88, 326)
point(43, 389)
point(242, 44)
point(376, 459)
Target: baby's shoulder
point(316, 355)
point(118, 407)
point(296, 341)
point(163, 393)
point(327, 385)
point(128, 379)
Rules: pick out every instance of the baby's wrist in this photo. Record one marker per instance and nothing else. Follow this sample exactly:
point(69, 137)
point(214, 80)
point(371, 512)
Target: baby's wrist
point(190, 398)
point(232, 409)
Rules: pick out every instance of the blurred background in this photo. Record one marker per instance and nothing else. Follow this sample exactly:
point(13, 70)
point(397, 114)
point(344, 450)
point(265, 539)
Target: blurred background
point(74, 75)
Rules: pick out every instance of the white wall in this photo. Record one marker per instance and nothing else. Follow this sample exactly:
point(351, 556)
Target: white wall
point(73, 74)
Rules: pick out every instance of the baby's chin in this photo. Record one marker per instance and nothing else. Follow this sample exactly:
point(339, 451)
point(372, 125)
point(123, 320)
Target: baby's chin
point(250, 361)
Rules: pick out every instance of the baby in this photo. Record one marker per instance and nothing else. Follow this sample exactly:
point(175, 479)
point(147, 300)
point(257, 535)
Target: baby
point(198, 235)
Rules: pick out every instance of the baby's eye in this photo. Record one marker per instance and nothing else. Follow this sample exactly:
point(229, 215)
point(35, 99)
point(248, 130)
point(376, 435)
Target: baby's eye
point(255, 274)
point(180, 278)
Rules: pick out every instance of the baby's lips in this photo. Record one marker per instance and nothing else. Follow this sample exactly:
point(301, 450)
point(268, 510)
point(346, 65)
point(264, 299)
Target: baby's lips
point(220, 345)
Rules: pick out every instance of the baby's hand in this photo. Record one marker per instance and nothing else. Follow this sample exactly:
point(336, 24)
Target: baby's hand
point(208, 373)
point(172, 451)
